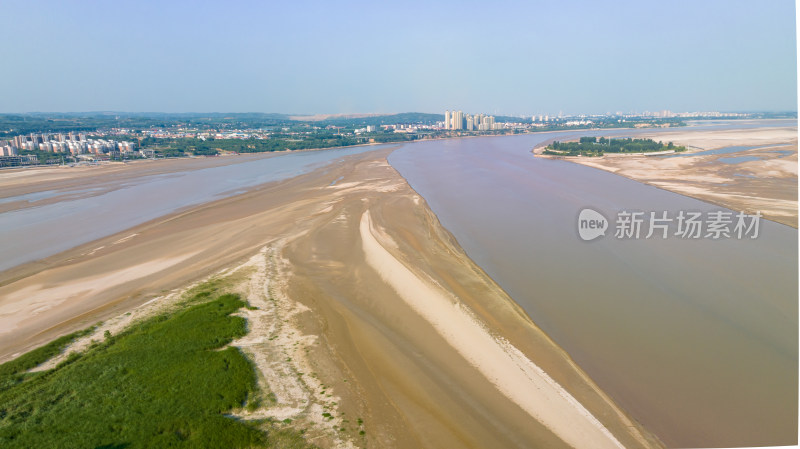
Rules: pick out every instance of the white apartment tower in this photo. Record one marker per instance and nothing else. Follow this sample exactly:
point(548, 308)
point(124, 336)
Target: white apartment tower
point(458, 120)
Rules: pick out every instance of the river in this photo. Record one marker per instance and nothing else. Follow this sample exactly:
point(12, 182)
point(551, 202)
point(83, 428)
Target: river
point(696, 339)
point(37, 232)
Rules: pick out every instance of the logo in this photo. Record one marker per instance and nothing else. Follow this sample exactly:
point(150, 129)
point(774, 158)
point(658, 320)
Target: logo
point(712, 224)
point(591, 224)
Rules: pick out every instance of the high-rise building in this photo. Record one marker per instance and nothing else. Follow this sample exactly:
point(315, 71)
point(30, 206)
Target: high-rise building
point(457, 120)
point(486, 123)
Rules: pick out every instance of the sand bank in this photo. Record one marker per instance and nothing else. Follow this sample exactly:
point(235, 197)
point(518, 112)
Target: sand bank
point(767, 182)
point(503, 365)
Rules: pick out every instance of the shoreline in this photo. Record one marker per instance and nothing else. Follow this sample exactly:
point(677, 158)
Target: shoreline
point(283, 152)
point(769, 183)
point(654, 129)
point(503, 365)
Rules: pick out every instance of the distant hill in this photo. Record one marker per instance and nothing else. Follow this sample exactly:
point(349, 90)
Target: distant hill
point(388, 119)
point(322, 117)
point(511, 119)
point(13, 124)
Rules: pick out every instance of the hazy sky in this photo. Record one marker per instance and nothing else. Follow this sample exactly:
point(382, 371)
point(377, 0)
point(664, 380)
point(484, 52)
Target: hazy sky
point(336, 57)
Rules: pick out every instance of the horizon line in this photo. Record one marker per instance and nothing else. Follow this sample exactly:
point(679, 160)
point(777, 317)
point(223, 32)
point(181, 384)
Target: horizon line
point(365, 114)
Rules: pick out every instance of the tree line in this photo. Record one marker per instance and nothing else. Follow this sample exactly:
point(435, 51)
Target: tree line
point(592, 146)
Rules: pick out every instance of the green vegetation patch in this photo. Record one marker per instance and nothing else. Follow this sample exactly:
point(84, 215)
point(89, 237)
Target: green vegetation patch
point(14, 372)
point(166, 382)
point(177, 147)
point(592, 146)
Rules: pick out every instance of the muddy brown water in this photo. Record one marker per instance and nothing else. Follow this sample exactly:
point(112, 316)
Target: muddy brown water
point(696, 339)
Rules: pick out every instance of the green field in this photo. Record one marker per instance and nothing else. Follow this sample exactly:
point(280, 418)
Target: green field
point(166, 382)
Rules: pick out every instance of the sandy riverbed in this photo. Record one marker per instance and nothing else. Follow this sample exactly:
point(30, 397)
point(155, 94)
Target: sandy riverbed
point(766, 183)
point(349, 321)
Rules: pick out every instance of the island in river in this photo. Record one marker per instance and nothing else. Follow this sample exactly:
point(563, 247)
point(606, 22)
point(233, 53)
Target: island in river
point(592, 146)
point(747, 168)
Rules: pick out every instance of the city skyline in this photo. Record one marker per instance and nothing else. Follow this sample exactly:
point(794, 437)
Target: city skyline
point(313, 58)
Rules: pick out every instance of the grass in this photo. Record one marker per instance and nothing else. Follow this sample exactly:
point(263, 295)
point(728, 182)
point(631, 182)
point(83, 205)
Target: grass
point(13, 372)
point(166, 382)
